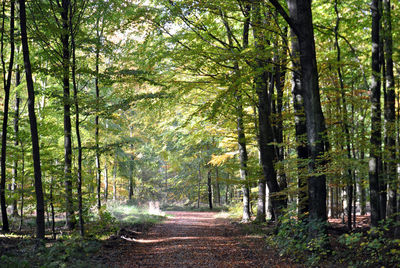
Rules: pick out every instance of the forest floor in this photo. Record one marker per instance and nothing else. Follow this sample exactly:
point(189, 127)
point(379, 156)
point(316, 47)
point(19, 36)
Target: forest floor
point(191, 239)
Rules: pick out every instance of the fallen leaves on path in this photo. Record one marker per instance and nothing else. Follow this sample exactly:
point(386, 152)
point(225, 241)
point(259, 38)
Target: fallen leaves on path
point(195, 239)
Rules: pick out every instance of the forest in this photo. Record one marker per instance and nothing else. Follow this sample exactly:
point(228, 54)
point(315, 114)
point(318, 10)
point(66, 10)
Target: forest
point(282, 117)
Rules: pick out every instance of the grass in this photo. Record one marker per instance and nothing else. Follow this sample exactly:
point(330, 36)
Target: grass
point(191, 208)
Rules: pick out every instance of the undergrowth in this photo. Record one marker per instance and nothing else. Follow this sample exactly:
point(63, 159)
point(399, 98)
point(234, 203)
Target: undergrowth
point(374, 248)
point(71, 250)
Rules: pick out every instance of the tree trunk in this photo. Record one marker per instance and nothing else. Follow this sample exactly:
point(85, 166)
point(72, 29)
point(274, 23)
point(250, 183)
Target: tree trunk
point(243, 158)
point(40, 225)
point(217, 186)
point(209, 185)
point(390, 115)
point(22, 187)
point(280, 59)
point(264, 84)
point(131, 168)
point(70, 218)
point(78, 133)
point(375, 147)
point(300, 128)
point(99, 34)
point(198, 187)
point(105, 182)
point(349, 180)
point(115, 178)
point(7, 86)
point(14, 207)
point(300, 12)
point(53, 221)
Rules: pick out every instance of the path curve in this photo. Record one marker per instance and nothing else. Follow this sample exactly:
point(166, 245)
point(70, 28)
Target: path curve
point(197, 239)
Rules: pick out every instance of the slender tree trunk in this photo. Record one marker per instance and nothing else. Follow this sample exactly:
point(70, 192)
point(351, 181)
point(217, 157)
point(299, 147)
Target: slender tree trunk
point(115, 178)
point(349, 181)
point(7, 86)
point(280, 59)
point(65, 35)
point(53, 221)
point(375, 155)
point(78, 133)
point(209, 188)
point(99, 34)
point(96, 122)
point(390, 115)
point(131, 169)
point(218, 190)
point(22, 187)
point(243, 158)
point(40, 225)
point(105, 182)
point(227, 194)
point(198, 187)
point(264, 84)
point(14, 207)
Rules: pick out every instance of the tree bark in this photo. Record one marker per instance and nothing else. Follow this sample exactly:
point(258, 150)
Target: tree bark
point(7, 86)
point(40, 224)
point(264, 84)
point(14, 208)
point(243, 158)
point(105, 182)
point(77, 130)
point(53, 221)
point(65, 35)
point(349, 181)
point(300, 128)
point(115, 178)
point(131, 168)
point(209, 188)
point(375, 141)
point(217, 186)
point(300, 21)
point(390, 115)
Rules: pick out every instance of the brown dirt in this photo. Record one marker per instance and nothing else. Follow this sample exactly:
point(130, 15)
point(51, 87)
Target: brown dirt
point(195, 239)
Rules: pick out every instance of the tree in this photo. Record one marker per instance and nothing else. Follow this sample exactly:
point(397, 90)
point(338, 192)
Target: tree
point(7, 86)
point(300, 20)
point(375, 155)
point(390, 114)
point(40, 222)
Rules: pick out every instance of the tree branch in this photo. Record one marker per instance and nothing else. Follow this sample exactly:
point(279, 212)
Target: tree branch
point(285, 16)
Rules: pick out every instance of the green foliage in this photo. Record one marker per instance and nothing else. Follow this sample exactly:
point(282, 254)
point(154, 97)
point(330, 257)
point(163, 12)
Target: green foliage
point(293, 239)
point(372, 249)
point(71, 252)
point(104, 224)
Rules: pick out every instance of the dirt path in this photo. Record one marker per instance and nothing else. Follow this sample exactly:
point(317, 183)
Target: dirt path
point(197, 239)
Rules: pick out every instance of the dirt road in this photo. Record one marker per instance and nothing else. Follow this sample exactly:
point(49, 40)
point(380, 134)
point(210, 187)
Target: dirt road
point(197, 239)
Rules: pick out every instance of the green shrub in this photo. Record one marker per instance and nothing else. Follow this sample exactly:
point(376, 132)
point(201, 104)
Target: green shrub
point(293, 239)
point(375, 248)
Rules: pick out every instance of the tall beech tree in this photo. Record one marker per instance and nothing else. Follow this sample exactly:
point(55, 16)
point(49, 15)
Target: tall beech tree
point(264, 84)
point(300, 20)
point(390, 113)
point(7, 86)
point(66, 58)
point(40, 220)
point(376, 128)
